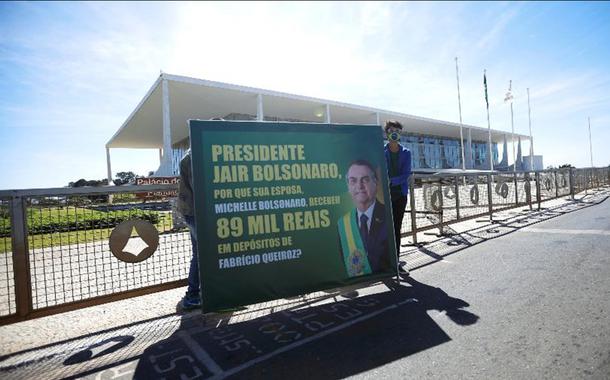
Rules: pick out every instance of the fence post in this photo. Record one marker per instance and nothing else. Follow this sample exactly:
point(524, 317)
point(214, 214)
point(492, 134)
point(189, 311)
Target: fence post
point(440, 201)
point(516, 190)
point(556, 187)
point(457, 198)
point(528, 192)
point(538, 189)
point(412, 203)
point(571, 179)
point(21, 257)
point(586, 181)
point(491, 209)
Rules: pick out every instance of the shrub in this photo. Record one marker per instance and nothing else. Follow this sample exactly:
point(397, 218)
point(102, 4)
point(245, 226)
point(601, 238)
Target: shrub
point(52, 220)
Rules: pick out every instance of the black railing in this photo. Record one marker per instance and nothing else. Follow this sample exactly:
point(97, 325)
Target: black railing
point(55, 254)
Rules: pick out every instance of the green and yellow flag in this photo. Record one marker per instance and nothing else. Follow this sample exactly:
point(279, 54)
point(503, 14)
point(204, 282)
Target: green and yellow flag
point(485, 85)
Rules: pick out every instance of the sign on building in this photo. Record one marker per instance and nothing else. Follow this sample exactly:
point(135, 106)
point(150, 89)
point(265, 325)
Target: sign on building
point(157, 181)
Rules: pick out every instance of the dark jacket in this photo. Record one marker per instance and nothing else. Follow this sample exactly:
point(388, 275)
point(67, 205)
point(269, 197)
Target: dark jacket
point(404, 167)
point(185, 191)
point(377, 244)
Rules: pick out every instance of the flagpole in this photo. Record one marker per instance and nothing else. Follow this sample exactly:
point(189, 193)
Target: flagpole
point(491, 161)
point(590, 144)
point(457, 75)
point(512, 126)
point(529, 115)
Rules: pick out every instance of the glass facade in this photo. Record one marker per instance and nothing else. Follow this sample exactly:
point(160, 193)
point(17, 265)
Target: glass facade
point(427, 152)
point(434, 152)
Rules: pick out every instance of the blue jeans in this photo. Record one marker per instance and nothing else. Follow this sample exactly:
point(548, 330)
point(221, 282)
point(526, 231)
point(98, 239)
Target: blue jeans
point(193, 279)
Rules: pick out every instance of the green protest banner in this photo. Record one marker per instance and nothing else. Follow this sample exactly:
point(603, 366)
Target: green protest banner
point(279, 209)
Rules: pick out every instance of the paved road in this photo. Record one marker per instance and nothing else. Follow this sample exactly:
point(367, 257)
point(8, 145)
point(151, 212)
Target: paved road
point(542, 296)
point(539, 307)
point(534, 303)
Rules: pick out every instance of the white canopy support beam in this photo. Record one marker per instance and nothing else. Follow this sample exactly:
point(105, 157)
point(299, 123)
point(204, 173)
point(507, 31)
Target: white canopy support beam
point(378, 118)
point(469, 150)
point(108, 167)
point(260, 115)
point(166, 161)
point(327, 114)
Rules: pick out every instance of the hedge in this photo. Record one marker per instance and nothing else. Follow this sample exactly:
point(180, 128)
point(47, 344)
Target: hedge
point(45, 221)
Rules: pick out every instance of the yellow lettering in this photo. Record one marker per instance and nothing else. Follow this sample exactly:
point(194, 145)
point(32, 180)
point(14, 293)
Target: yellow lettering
point(216, 151)
point(305, 220)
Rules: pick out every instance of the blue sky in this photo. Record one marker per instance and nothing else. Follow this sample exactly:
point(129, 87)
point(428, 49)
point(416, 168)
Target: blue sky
point(71, 73)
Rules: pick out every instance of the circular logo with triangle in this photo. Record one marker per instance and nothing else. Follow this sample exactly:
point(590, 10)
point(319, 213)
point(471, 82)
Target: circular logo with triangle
point(134, 240)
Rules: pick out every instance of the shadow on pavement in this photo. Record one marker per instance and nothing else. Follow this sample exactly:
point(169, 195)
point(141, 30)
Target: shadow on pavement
point(328, 341)
point(339, 338)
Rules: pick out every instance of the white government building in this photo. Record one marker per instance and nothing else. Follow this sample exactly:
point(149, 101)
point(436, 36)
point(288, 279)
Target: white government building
point(160, 122)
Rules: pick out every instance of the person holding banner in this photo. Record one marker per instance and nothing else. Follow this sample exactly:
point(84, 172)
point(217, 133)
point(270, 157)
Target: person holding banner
point(192, 298)
point(398, 159)
point(362, 231)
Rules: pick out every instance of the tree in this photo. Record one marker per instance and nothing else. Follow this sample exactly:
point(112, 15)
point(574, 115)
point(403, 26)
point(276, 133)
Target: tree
point(83, 182)
point(99, 198)
point(123, 178)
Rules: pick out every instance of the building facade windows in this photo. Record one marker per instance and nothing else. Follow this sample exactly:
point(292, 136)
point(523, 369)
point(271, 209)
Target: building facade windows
point(427, 152)
point(432, 152)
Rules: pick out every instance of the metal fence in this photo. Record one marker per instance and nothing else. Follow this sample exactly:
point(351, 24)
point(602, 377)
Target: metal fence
point(441, 199)
point(55, 255)
point(590, 178)
point(54, 243)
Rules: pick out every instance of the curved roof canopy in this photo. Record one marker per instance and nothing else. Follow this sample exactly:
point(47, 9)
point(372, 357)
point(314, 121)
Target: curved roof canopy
point(191, 98)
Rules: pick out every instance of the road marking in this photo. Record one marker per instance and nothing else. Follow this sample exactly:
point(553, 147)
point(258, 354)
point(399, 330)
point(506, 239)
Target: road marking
point(296, 344)
point(200, 353)
point(566, 231)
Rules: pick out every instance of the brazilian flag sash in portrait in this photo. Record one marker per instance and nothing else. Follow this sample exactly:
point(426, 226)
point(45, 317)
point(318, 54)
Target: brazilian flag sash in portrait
point(354, 254)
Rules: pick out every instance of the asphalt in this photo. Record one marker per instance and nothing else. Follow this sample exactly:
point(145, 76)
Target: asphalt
point(528, 297)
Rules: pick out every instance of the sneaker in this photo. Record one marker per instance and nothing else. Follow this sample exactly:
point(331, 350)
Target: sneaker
point(402, 270)
point(190, 303)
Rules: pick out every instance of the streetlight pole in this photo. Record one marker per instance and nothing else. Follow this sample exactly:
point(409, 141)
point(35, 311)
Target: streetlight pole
point(590, 143)
point(529, 115)
point(491, 161)
point(512, 123)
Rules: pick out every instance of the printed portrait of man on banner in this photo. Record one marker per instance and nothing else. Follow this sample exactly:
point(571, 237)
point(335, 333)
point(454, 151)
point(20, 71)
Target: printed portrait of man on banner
point(363, 230)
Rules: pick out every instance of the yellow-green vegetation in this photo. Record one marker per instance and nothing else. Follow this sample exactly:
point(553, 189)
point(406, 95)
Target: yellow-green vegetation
point(61, 226)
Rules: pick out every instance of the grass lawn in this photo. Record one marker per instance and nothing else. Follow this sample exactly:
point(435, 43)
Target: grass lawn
point(73, 237)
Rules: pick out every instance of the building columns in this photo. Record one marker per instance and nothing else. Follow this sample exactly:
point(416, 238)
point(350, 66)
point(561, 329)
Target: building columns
point(108, 167)
point(504, 162)
point(166, 162)
point(469, 163)
point(260, 116)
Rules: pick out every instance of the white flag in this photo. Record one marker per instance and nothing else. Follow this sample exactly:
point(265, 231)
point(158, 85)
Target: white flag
point(509, 94)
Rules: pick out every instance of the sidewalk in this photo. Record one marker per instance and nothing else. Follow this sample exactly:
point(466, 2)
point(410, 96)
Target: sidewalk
point(111, 339)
